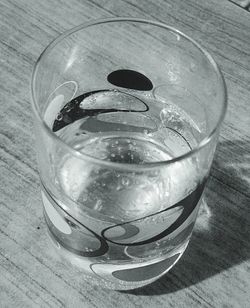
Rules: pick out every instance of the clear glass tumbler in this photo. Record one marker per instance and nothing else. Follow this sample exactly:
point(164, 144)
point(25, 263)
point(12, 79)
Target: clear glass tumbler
point(127, 116)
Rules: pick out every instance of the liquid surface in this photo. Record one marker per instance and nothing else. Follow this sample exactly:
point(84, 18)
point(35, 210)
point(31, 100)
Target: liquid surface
point(105, 121)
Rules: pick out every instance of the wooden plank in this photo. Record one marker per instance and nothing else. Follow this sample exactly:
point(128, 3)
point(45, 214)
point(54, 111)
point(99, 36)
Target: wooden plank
point(214, 272)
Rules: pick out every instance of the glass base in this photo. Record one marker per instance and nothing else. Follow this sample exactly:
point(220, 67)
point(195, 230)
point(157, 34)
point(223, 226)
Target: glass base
point(121, 275)
point(119, 266)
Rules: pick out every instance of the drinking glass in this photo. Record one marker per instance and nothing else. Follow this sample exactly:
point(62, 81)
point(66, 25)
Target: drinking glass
point(127, 116)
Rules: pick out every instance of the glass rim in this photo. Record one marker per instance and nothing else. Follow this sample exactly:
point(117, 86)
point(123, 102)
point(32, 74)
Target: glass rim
point(119, 165)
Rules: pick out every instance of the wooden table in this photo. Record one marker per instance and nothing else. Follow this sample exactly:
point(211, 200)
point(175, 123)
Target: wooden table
point(215, 270)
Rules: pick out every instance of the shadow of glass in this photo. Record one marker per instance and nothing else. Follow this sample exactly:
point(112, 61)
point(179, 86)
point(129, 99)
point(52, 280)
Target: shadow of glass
point(221, 236)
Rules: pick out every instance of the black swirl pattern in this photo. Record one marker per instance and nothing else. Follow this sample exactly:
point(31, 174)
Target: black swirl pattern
point(73, 241)
point(96, 245)
point(72, 111)
point(130, 79)
point(188, 204)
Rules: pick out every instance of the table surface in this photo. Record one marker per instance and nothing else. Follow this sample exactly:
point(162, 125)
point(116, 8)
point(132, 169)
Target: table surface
point(215, 269)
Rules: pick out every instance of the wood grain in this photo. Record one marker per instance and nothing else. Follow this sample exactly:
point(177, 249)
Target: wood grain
point(215, 270)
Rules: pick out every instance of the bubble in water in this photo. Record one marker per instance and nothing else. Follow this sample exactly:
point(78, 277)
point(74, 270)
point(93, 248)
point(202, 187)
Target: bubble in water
point(118, 187)
point(164, 114)
point(126, 181)
point(171, 117)
point(145, 131)
point(102, 155)
point(98, 205)
point(153, 176)
point(84, 197)
point(112, 155)
point(172, 76)
point(195, 160)
point(59, 117)
point(154, 173)
point(68, 108)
